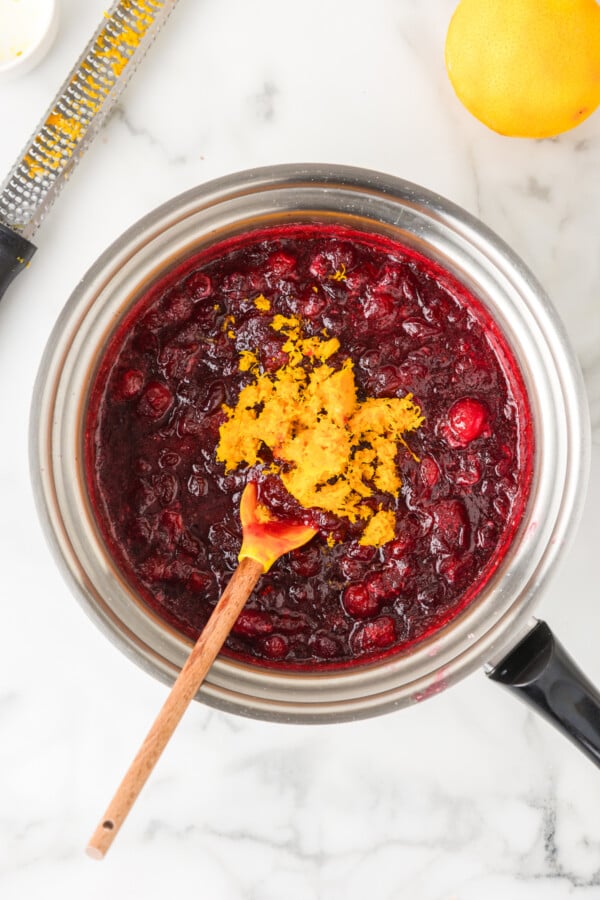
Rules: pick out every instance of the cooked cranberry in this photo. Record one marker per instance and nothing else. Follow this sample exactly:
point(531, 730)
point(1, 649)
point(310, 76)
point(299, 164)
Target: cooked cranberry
point(253, 622)
point(454, 567)
point(222, 538)
point(178, 306)
point(305, 562)
point(467, 420)
point(177, 570)
point(191, 547)
point(319, 265)
point(178, 360)
point(378, 587)
point(129, 384)
point(400, 547)
point(326, 263)
point(451, 523)
point(314, 305)
point(280, 264)
point(388, 381)
point(274, 647)
point(325, 647)
point(166, 488)
point(233, 483)
point(410, 531)
point(469, 471)
point(357, 280)
point(352, 569)
point(361, 551)
point(370, 360)
point(394, 576)
point(374, 635)
point(272, 356)
point(361, 602)
point(155, 400)
point(170, 528)
point(198, 285)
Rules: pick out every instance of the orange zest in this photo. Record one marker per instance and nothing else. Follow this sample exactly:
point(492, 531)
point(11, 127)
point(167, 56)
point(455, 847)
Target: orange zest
point(330, 450)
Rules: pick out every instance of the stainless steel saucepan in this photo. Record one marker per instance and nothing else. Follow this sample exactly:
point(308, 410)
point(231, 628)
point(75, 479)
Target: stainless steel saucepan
point(497, 630)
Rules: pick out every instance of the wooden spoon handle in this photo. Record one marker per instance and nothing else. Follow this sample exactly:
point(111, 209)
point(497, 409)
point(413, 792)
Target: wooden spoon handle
point(183, 691)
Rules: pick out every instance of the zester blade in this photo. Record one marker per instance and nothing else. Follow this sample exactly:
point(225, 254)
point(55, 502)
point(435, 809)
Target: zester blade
point(75, 116)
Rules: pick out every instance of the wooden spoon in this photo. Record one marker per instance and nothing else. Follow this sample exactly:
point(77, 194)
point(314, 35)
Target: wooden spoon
point(265, 539)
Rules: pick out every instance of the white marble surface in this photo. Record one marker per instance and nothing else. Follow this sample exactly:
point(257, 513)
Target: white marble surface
point(463, 797)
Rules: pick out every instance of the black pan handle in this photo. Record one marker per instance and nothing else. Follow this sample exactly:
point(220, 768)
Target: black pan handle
point(542, 673)
point(15, 253)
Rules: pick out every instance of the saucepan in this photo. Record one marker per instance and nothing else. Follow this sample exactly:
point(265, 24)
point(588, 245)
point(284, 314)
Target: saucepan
point(497, 630)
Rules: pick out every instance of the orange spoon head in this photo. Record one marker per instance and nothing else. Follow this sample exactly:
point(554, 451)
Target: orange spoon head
point(265, 538)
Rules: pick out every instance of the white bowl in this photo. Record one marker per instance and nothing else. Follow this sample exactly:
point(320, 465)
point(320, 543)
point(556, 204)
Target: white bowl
point(27, 31)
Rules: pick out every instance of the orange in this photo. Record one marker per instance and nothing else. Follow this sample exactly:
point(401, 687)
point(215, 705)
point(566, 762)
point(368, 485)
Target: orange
point(526, 68)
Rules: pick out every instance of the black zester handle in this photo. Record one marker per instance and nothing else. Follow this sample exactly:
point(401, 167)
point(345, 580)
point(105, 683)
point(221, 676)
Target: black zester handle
point(15, 253)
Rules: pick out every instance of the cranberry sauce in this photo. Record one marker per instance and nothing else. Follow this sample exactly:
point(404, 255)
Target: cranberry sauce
point(169, 512)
